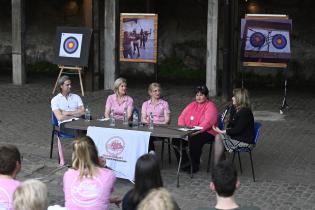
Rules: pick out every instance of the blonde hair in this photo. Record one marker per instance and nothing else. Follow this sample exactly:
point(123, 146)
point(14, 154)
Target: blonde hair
point(118, 82)
point(31, 195)
point(241, 96)
point(85, 157)
point(158, 198)
point(152, 86)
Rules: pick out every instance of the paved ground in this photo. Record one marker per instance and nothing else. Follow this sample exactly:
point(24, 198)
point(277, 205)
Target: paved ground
point(284, 158)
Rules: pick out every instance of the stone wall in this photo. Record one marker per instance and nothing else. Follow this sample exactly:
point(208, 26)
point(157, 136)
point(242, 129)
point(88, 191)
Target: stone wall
point(181, 32)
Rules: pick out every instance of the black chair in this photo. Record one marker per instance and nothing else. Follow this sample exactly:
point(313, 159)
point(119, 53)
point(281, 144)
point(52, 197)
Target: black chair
point(248, 149)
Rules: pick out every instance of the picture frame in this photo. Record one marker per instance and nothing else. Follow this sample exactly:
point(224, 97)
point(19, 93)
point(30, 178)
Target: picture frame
point(138, 37)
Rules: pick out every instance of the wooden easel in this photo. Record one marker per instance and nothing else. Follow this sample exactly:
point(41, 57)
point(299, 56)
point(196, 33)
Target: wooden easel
point(70, 70)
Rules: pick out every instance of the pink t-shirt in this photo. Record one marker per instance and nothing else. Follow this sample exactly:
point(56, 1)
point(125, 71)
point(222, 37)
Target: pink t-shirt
point(88, 193)
point(196, 114)
point(7, 188)
point(113, 104)
point(159, 110)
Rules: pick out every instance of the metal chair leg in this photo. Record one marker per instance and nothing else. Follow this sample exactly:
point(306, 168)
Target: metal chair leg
point(233, 156)
point(169, 151)
point(52, 143)
point(209, 158)
point(239, 159)
point(162, 153)
point(251, 161)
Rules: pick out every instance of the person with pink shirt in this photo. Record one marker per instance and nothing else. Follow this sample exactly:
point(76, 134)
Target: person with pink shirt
point(158, 107)
point(203, 113)
point(87, 185)
point(10, 166)
point(119, 101)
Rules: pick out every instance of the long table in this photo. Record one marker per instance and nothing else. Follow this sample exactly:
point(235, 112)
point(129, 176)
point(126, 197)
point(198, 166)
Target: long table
point(163, 131)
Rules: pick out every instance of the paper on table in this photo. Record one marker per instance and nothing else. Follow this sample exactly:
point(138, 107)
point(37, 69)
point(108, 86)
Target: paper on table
point(103, 119)
point(195, 128)
point(69, 120)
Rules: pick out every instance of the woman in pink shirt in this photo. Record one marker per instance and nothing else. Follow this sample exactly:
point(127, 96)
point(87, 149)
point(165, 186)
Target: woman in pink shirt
point(158, 107)
point(203, 113)
point(119, 101)
point(87, 185)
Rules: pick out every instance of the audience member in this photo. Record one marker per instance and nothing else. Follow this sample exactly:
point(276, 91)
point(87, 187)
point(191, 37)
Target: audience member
point(240, 129)
point(31, 195)
point(87, 185)
point(119, 101)
point(224, 183)
point(10, 166)
point(202, 113)
point(158, 199)
point(147, 177)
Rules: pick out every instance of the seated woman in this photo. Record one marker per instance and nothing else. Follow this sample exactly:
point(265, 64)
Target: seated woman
point(157, 106)
point(87, 185)
point(201, 112)
point(147, 177)
point(240, 128)
point(119, 101)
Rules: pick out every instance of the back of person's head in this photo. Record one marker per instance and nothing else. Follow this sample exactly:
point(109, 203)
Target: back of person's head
point(158, 199)
point(224, 178)
point(202, 89)
point(85, 156)
point(30, 195)
point(241, 96)
point(118, 82)
point(147, 177)
point(9, 158)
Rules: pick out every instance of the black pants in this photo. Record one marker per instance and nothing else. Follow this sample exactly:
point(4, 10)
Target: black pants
point(195, 148)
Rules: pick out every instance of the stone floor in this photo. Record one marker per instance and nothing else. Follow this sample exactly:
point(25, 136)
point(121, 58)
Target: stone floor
point(284, 158)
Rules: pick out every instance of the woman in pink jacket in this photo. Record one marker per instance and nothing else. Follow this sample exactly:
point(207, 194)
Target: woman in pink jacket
point(203, 113)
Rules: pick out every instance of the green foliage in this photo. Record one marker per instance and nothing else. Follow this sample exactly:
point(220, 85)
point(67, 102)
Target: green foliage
point(174, 68)
point(42, 68)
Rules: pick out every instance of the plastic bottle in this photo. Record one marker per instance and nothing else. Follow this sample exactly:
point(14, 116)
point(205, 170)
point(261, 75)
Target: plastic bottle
point(112, 121)
point(87, 114)
point(125, 120)
point(151, 123)
point(135, 119)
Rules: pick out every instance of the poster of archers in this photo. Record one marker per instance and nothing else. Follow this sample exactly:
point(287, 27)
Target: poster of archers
point(266, 39)
point(138, 37)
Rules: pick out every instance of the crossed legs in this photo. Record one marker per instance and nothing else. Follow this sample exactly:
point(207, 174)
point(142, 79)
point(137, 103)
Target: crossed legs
point(218, 149)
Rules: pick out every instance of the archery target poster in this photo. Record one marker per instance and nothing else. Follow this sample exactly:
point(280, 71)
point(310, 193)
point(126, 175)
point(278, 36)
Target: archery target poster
point(73, 46)
point(266, 40)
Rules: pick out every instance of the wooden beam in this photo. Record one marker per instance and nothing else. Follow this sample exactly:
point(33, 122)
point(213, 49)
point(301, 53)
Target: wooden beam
point(18, 38)
point(110, 49)
point(212, 46)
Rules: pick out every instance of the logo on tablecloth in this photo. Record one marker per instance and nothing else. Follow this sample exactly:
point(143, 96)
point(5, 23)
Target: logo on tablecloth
point(115, 146)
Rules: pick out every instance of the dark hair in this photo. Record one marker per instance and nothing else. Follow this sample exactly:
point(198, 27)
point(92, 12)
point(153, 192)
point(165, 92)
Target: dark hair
point(9, 154)
point(224, 178)
point(202, 89)
point(147, 177)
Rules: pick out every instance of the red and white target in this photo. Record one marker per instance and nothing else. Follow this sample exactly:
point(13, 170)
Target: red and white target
point(70, 45)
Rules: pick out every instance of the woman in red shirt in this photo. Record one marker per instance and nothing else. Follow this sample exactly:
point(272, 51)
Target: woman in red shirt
point(202, 113)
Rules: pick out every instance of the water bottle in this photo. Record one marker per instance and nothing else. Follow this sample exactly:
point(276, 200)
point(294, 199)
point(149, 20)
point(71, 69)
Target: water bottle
point(112, 121)
point(87, 115)
point(151, 123)
point(135, 119)
point(125, 120)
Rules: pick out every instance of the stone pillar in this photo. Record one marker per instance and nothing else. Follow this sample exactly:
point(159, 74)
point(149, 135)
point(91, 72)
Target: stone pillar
point(18, 34)
point(212, 46)
point(110, 52)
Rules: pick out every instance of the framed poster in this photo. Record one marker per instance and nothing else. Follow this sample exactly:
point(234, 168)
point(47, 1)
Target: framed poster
point(72, 46)
point(266, 39)
point(138, 37)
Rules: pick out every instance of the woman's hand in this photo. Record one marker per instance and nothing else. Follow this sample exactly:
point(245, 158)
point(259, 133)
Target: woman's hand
point(116, 200)
point(216, 129)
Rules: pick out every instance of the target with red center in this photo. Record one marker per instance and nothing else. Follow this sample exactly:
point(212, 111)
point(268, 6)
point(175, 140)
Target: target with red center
point(70, 45)
point(279, 41)
point(257, 39)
